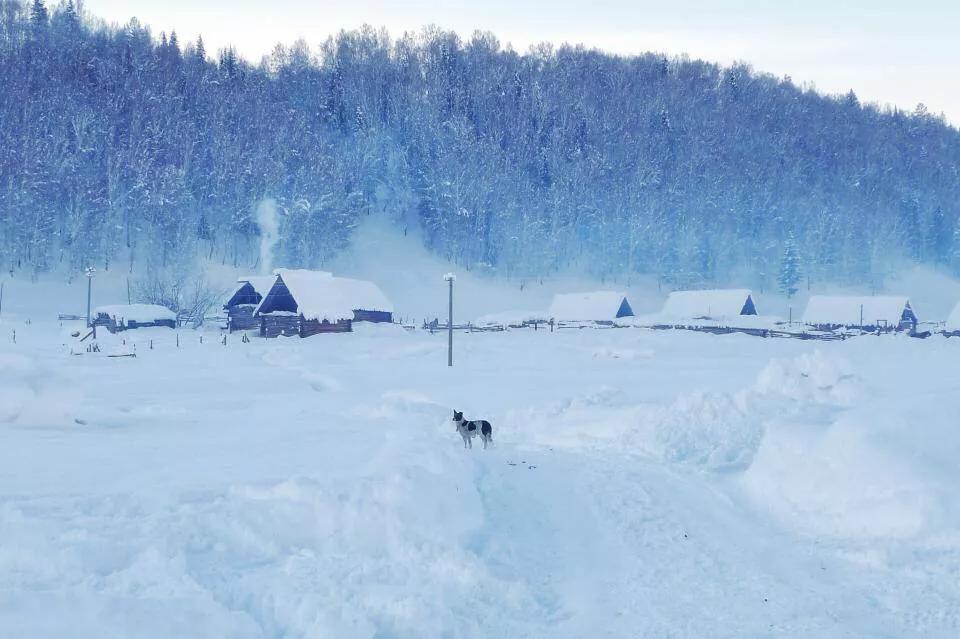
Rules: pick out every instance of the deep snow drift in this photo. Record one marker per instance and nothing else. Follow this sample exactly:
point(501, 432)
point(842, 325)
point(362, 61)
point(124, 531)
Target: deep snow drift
point(642, 483)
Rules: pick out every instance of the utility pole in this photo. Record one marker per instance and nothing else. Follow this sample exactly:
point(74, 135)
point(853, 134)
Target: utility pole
point(89, 272)
point(449, 278)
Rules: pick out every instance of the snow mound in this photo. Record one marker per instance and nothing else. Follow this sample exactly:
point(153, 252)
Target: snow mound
point(839, 481)
point(714, 431)
point(811, 377)
point(30, 395)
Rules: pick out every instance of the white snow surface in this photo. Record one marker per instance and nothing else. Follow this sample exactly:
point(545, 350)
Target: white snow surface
point(506, 318)
point(953, 321)
point(586, 307)
point(845, 309)
point(717, 304)
point(321, 296)
point(641, 484)
point(140, 313)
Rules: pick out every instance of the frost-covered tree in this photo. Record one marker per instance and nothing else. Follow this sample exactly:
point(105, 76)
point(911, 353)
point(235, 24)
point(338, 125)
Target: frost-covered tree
point(129, 149)
point(789, 274)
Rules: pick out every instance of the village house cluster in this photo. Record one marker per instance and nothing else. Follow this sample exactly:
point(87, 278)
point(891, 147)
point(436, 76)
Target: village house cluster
point(299, 302)
point(304, 303)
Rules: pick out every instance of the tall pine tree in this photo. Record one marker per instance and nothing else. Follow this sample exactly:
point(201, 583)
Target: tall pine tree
point(789, 274)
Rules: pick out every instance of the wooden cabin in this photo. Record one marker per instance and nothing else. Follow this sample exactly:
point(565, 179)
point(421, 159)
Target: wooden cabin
point(123, 317)
point(600, 307)
point(368, 301)
point(715, 304)
point(868, 313)
point(244, 300)
point(306, 303)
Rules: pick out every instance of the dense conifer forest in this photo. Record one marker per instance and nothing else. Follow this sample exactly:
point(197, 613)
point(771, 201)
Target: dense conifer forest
point(120, 147)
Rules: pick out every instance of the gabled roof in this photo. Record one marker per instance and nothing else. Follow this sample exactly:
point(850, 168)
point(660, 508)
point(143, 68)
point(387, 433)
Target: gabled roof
point(261, 285)
point(592, 306)
point(321, 296)
point(845, 310)
point(140, 313)
point(709, 303)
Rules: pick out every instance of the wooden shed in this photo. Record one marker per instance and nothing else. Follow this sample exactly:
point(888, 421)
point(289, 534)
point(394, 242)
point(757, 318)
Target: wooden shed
point(305, 303)
point(244, 300)
point(602, 307)
point(869, 313)
point(122, 317)
point(714, 304)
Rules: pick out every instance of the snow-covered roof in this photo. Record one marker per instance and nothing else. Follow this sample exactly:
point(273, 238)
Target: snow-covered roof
point(319, 295)
point(261, 286)
point(140, 313)
point(844, 310)
point(953, 322)
point(714, 303)
point(582, 307)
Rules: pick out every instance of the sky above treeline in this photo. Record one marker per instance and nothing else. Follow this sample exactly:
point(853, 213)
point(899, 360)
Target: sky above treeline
point(891, 53)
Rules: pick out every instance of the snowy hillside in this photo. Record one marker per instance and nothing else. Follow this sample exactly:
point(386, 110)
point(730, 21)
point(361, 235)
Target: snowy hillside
point(123, 148)
point(641, 484)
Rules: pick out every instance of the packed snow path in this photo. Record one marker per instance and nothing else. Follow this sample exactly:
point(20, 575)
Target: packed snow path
point(640, 484)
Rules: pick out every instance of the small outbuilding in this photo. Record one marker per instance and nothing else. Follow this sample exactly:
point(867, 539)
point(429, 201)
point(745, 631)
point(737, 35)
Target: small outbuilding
point(304, 303)
point(244, 300)
point(122, 317)
point(715, 304)
point(602, 307)
point(868, 312)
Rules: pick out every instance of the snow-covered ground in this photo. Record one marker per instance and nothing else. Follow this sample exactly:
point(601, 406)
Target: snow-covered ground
point(642, 483)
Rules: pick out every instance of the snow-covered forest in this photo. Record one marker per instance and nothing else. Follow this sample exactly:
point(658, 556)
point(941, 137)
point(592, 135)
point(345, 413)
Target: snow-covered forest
point(124, 147)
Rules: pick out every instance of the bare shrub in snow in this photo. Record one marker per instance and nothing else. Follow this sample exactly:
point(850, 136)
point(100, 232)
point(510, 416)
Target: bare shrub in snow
point(191, 298)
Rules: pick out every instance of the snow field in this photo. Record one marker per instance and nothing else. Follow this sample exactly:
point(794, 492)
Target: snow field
point(641, 483)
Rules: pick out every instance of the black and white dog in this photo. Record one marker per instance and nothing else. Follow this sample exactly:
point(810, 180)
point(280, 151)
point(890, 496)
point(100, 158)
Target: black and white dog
point(468, 430)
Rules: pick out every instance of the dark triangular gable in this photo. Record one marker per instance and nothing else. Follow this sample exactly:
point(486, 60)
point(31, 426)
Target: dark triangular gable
point(278, 299)
point(625, 310)
point(246, 294)
point(908, 315)
point(748, 307)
